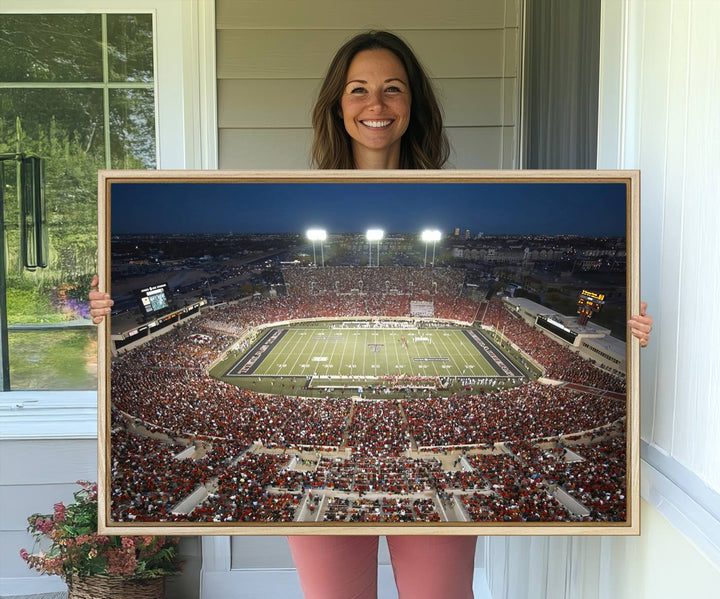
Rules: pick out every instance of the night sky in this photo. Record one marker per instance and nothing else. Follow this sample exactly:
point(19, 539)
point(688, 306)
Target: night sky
point(586, 209)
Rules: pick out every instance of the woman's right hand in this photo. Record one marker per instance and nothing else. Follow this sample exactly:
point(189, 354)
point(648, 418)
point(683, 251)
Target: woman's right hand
point(100, 303)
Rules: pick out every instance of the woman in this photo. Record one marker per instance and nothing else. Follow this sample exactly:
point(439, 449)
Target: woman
point(377, 110)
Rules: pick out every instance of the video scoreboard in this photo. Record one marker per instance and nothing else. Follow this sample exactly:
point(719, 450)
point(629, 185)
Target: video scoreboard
point(154, 298)
point(589, 303)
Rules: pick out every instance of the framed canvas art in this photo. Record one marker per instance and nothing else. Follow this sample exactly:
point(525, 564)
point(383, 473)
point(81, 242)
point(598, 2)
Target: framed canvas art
point(369, 352)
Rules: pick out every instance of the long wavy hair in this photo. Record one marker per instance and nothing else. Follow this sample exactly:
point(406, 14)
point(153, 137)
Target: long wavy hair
point(423, 146)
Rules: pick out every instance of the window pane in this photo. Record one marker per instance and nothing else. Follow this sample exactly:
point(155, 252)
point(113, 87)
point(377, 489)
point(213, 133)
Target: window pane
point(49, 117)
point(55, 359)
point(130, 47)
point(132, 128)
point(65, 128)
point(38, 48)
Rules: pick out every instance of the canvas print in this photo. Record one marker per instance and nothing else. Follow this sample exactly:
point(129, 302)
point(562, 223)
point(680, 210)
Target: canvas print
point(301, 353)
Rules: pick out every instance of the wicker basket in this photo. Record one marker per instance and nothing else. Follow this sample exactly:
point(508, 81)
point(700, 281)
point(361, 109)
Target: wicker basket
point(116, 587)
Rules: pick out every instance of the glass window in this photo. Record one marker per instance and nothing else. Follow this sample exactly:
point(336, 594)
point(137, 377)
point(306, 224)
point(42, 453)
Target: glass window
point(77, 91)
point(43, 48)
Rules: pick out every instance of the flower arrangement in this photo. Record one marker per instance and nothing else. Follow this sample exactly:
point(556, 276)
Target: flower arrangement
point(77, 551)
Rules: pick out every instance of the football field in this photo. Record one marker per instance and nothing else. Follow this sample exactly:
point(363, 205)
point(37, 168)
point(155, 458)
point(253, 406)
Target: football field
point(370, 353)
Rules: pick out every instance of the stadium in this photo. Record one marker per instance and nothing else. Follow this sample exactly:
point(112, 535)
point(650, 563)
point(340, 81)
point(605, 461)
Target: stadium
point(363, 395)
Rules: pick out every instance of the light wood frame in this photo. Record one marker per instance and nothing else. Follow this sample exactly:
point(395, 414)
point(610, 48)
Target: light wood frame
point(631, 181)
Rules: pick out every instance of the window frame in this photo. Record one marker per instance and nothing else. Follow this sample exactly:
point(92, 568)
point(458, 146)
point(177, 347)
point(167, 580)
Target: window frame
point(186, 138)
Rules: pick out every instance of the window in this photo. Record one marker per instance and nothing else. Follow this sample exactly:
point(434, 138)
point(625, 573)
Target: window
point(78, 91)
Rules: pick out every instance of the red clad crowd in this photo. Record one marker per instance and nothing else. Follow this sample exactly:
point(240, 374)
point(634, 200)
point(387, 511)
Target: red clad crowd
point(164, 385)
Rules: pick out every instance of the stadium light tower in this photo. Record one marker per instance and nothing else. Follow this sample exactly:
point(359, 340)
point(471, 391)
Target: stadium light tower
point(428, 236)
point(374, 235)
point(317, 235)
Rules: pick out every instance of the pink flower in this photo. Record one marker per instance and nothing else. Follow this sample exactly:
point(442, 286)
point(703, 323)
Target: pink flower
point(59, 512)
point(44, 526)
point(24, 555)
point(128, 543)
point(53, 565)
point(121, 562)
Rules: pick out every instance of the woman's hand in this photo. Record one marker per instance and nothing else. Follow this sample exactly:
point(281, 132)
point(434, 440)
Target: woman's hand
point(641, 325)
point(100, 303)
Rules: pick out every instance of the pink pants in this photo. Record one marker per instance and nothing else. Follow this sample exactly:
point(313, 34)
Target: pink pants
point(345, 567)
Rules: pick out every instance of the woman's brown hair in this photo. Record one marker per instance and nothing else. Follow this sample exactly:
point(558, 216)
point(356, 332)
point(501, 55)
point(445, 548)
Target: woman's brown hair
point(424, 144)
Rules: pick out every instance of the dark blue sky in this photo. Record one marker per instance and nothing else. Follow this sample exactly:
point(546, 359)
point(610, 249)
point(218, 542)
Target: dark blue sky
point(588, 209)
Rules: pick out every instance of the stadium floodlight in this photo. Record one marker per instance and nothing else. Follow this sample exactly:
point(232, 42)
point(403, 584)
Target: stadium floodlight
point(374, 235)
point(317, 235)
point(427, 236)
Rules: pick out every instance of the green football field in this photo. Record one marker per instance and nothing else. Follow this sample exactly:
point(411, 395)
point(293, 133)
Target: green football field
point(365, 353)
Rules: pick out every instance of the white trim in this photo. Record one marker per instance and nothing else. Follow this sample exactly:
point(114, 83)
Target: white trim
point(48, 415)
point(284, 582)
point(31, 585)
point(202, 86)
point(693, 509)
point(216, 552)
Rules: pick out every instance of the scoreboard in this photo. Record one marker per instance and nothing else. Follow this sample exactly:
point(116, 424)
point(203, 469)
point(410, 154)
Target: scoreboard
point(154, 298)
point(589, 303)
point(147, 329)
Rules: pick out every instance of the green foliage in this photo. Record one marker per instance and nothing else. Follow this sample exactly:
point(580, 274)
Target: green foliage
point(28, 303)
point(54, 359)
point(71, 197)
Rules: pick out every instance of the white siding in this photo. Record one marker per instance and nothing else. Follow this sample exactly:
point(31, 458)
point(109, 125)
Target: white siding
point(271, 59)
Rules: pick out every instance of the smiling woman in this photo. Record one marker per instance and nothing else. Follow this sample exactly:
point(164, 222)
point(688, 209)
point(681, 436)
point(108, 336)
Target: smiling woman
point(363, 109)
point(375, 108)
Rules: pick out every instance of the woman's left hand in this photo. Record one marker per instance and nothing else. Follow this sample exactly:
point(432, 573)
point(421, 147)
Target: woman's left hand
point(641, 325)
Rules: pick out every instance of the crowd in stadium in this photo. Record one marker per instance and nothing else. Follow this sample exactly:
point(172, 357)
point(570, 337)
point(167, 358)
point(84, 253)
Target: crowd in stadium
point(374, 282)
point(530, 411)
point(519, 493)
point(559, 362)
point(164, 385)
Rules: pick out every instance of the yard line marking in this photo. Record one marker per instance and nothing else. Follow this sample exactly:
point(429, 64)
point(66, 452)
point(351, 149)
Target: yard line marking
point(298, 338)
point(292, 350)
point(312, 352)
point(365, 352)
point(448, 352)
point(397, 355)
point(341, 363)
point(460, 355)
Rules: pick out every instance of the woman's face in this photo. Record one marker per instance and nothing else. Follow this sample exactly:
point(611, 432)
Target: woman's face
point(375, 103)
